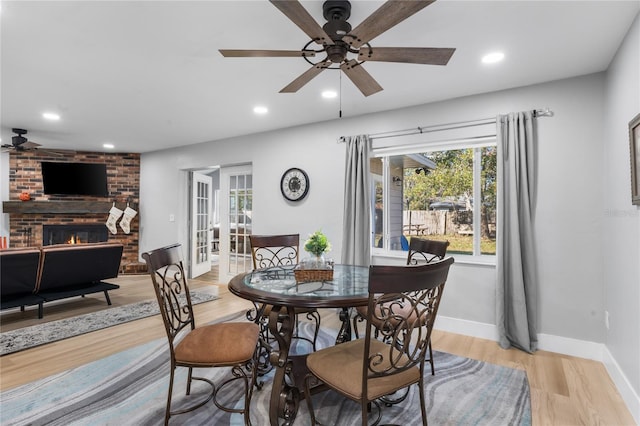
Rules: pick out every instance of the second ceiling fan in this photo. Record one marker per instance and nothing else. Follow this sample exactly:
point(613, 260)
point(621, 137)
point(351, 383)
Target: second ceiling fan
point(337, 40)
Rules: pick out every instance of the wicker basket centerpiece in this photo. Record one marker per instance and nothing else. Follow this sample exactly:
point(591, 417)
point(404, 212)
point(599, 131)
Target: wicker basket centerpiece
point(310, 275)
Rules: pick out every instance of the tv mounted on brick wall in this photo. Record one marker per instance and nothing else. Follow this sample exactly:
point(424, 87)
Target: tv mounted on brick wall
point(75, 178)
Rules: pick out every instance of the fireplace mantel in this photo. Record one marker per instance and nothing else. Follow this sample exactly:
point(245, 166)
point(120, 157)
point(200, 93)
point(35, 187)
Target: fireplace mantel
point(37, 207)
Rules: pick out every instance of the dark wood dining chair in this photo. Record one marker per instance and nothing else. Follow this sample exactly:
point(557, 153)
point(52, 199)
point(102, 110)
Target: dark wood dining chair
point(403, 302)
point(279, 250)
point(421, 250)
point(229, 344)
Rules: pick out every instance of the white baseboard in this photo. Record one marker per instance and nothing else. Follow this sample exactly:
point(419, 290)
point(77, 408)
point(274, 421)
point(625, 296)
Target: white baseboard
point(466, 327)
point(569, 346)
point(630, 397)
point(558, 344)
point(546, 342)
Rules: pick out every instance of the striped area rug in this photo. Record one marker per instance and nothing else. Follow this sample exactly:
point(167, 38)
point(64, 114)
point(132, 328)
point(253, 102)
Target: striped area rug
point(52, 331)
point(130, 388)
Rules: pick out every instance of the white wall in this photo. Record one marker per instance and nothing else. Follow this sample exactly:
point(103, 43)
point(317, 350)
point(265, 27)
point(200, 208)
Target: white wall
point(569, 215)
point(621, 239)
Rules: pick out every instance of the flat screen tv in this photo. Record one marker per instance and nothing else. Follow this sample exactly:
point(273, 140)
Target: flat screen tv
point(75, 178)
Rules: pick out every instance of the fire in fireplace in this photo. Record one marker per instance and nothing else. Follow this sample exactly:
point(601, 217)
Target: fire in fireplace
point(73, 234)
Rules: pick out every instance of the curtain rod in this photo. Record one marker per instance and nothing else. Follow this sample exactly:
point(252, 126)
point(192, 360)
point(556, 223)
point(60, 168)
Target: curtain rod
point(546, 112)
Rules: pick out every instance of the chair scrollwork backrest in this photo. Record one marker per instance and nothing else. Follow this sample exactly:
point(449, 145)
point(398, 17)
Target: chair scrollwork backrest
point(274, 250)
point(403, 302)
point(171, 288)
point(422, 250)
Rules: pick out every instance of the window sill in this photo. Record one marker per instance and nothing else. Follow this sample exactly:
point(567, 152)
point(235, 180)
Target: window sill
point(464, 259)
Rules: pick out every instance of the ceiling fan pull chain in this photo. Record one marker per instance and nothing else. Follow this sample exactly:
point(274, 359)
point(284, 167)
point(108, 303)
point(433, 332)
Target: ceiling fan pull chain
point(340, 92)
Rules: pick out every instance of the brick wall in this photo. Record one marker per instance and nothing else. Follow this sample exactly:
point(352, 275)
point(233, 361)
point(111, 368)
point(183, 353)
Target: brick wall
point(123, 181)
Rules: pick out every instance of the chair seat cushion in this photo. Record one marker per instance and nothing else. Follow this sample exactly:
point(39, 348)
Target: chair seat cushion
point(340, 367)
point(218, 344)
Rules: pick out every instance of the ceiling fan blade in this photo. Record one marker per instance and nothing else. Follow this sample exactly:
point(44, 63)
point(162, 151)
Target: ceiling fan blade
point(360, 77)
point(306, 77)
point(299, 16)
point(29, 145)
point(237, 53)
point(388, 15)
point(57, 153)
point(411, 55)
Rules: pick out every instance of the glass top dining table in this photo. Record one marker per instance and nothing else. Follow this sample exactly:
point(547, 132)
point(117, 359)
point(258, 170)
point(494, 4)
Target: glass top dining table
point(277, 286)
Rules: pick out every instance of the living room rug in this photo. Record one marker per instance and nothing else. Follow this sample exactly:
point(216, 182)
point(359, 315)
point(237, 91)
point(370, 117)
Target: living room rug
point(130, 387)
point(36, 335)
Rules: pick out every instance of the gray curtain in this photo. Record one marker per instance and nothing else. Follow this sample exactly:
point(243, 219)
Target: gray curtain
point(517, 283)
point(356, 228)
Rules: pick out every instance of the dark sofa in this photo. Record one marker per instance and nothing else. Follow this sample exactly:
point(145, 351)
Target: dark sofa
point(33, 276)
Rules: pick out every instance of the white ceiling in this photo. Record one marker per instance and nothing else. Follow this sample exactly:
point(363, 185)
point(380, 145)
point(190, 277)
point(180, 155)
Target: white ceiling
point(147, 75)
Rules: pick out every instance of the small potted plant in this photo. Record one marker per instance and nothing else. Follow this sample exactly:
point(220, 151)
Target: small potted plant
point(317, 245)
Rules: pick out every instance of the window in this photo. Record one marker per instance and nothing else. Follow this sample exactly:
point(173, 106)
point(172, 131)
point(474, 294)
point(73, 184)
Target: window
point(448, 193)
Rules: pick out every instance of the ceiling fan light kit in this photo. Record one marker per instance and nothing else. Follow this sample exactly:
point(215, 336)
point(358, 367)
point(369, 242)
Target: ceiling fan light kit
point(338, 41)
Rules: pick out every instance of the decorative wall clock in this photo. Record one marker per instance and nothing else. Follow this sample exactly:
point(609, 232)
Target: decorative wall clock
point(294, 184)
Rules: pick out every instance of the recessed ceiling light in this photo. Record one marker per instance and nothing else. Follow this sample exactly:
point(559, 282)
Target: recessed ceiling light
point(52, 116)
point(260, 110)
point(108, 145)
point(329, 94)
point(492, 58)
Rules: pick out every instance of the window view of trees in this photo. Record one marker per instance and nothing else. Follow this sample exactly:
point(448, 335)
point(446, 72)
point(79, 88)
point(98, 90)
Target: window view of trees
point(437, 195)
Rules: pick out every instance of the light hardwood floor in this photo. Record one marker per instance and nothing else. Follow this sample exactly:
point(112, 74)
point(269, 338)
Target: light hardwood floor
point(565, 390)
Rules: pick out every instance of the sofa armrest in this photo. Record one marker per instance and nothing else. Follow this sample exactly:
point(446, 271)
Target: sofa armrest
point(18, 272)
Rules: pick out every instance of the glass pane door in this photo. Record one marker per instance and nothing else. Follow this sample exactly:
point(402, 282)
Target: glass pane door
point(201, 224)
point(235, 250)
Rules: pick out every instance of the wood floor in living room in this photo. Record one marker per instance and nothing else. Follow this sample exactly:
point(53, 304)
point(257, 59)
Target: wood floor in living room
point(565, 390)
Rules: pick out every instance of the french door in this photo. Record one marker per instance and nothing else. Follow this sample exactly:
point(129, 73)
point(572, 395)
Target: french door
point(201, 224)
point(236, 200)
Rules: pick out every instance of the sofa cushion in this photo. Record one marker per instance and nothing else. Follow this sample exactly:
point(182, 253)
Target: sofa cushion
point(66, 266)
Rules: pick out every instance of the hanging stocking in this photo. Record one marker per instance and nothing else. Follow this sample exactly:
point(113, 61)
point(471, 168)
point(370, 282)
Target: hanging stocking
point(114, 215)
point(125, 223)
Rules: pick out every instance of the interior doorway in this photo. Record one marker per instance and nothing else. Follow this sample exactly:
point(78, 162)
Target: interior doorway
point(203, 207)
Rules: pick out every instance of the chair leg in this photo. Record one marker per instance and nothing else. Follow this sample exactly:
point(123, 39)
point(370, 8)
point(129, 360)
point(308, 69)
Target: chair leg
point(355, 327)
point(311, 316)
point(315, 316)
point(248, 393)
point(433, 371)
point(189, 378)
point(423, 405)
point(365, 407)
point(167, 413)
point(307, 393)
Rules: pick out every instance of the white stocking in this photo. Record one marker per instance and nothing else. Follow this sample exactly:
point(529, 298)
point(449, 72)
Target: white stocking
point(125, 223)
point(114, 215)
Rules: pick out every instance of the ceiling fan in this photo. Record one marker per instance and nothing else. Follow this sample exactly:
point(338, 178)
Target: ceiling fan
point(346, 48)
point(20, 143)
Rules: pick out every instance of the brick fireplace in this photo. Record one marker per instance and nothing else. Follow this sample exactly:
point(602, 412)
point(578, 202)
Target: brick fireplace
point(29, 219)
